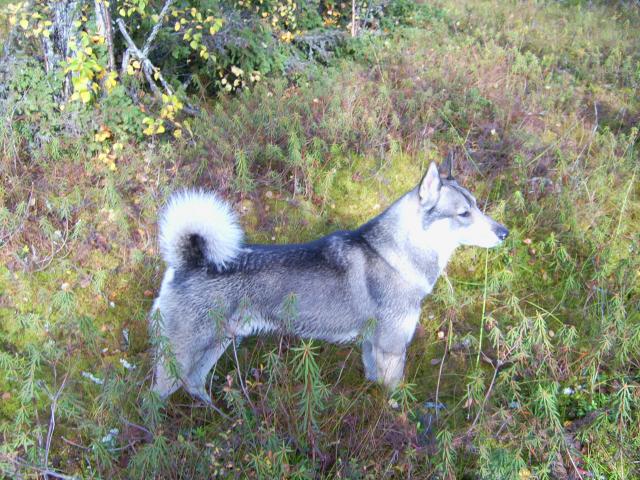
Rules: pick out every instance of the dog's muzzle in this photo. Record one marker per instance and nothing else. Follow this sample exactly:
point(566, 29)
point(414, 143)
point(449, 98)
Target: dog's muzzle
point(501, 232)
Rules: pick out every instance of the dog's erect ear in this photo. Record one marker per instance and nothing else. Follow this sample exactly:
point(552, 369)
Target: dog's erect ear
point(447, 166)
point(430, 187)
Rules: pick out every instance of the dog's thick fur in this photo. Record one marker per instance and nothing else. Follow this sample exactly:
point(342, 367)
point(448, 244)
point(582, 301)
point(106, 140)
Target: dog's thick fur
point(373, 278)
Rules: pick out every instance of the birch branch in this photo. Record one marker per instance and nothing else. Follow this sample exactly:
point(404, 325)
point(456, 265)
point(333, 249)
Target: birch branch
point(156, 28)
point(149, 70)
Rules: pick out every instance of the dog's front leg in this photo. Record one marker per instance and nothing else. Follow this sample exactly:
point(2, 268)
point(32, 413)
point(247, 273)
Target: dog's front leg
point(369, 361)
point(388, 348)
point(389, 367)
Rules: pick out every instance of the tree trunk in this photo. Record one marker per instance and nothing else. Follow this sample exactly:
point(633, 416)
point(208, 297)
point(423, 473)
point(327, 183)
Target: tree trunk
point(56, 49)
point(103, 22)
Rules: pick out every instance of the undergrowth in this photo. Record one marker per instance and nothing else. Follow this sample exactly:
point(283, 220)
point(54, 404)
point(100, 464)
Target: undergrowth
point(527, 360)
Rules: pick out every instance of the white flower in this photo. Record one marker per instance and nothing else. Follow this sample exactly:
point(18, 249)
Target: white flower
point(110, 437)
point(126, 364)
point(93, 378)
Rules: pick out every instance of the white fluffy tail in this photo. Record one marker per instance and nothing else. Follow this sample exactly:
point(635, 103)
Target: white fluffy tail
point(197, 227)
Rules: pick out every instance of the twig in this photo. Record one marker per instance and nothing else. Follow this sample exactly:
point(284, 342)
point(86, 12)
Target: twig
point(344, 364)
point(74, 444)
point(46, 472)
point(47, 260)
point(441, 367)
point(52, 421)
point(573, 463)
point(242, 385)
point(484, 305)
point(497, 366)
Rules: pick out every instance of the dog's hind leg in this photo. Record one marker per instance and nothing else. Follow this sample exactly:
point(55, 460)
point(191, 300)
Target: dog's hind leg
point(194, 380)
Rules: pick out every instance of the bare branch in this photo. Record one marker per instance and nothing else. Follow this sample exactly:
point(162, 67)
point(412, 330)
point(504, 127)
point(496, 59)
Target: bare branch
point(52, 423)
point(156, 28)
point(150, 71)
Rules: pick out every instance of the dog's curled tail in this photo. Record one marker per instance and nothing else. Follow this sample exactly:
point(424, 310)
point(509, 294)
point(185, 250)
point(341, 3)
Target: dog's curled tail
point(196, 228)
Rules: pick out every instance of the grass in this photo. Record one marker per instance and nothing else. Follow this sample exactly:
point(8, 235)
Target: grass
point(526, 364)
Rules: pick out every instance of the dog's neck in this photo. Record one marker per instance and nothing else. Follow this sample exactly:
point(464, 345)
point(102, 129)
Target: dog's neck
point(418, 255)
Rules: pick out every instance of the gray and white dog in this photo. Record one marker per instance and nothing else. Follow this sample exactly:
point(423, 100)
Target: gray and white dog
point(217, 288)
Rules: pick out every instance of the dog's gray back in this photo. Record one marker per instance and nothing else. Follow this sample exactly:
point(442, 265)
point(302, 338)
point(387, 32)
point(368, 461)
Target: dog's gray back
point(328, 289)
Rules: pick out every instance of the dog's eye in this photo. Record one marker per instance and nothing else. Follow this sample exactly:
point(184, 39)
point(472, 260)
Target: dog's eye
point(465, 214)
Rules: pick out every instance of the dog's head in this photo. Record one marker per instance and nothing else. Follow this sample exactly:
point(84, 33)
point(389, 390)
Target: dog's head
point(450, 212)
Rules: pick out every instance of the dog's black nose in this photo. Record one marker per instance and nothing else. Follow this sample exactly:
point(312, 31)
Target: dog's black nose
point(502, 232)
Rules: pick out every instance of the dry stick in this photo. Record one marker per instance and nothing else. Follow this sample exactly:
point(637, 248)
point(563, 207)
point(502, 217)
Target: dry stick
point(573, 463)
point(43, 471)
point(496, 367)
point(52, 422)
point(484, 306)
point(344, 364)
point(444, 354)
point(242, 385)
point(148, 68)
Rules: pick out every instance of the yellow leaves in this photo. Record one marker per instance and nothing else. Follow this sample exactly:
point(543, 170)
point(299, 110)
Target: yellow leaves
point(133, 67)
point(24, 23)
point(111, 81)
point(154, 126)
point(524, 474)
point(98, 39)
point(109, 159)
point(194, 24)
point(286, 37)
point(171, 106)
point(86, 67)
point(102, 134)
point(238, 72)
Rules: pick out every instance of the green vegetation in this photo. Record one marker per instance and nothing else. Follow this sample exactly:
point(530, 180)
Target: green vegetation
point(527, 361)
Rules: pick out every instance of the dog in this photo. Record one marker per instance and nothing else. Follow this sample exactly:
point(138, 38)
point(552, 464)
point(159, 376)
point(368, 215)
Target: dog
point(362, 285)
